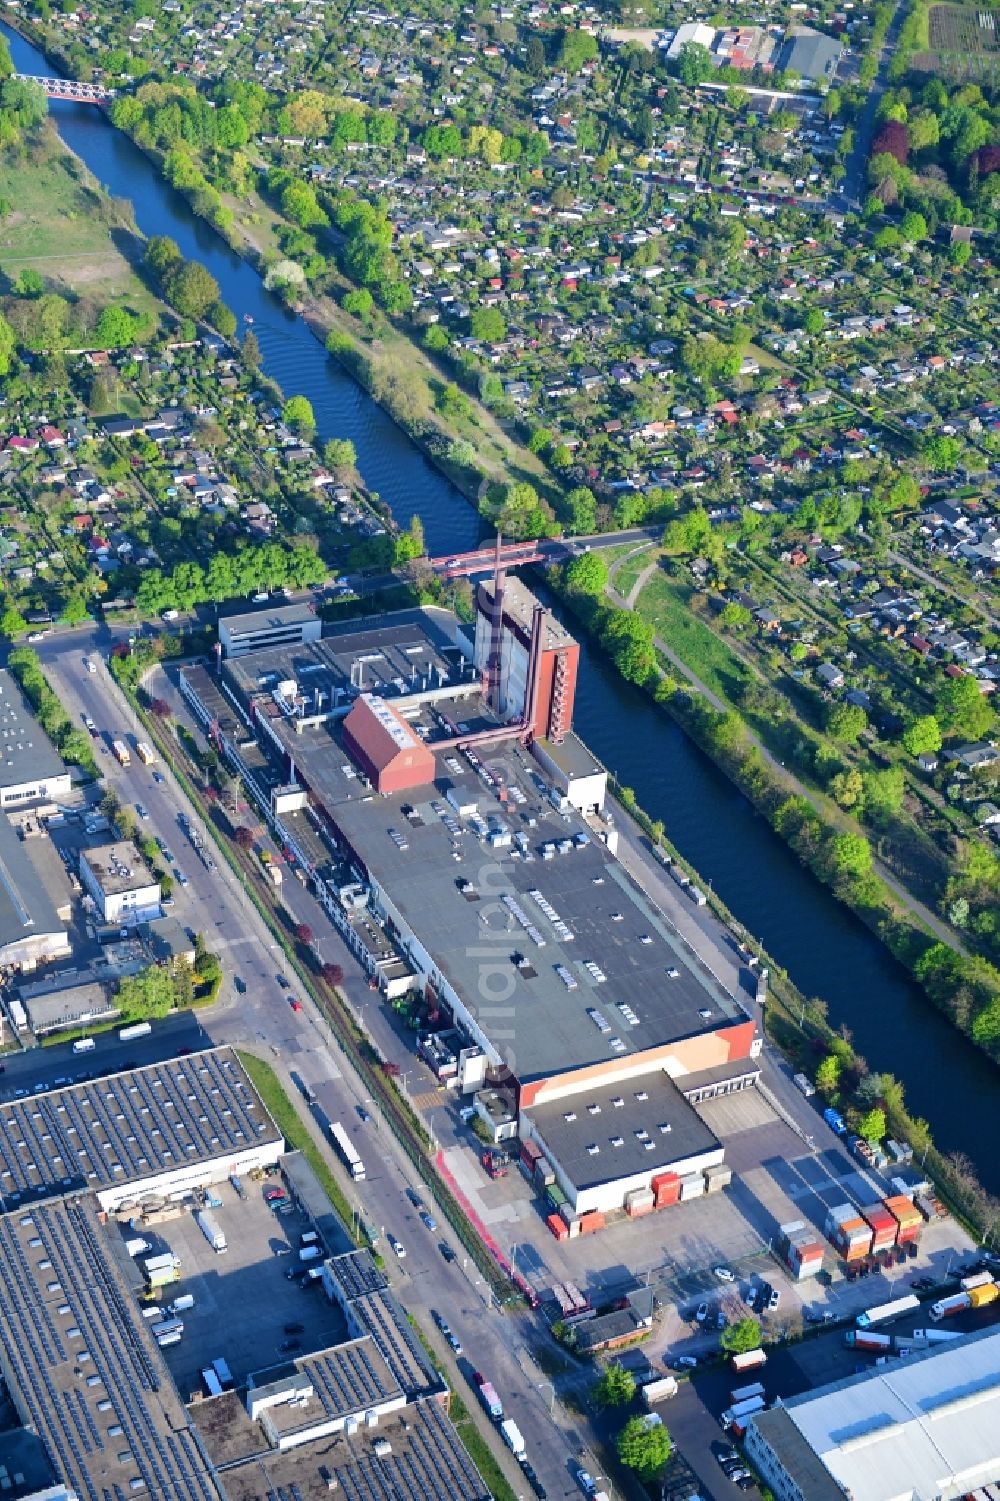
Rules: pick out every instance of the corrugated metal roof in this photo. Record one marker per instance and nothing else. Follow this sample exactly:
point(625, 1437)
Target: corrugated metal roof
point(927, 1427)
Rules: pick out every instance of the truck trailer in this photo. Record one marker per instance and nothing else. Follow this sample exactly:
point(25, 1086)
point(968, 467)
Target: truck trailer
point(511, 1435)
point(489, 1398)
point(121, 753)
point(210, 1229)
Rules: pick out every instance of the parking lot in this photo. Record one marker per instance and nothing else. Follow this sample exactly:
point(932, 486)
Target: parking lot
point(243, 1298)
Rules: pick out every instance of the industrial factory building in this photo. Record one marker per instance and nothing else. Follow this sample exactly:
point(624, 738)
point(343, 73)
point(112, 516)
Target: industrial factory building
point(86, 1372)
point(468, 818)
point(926, 1427)
point(160, 1130)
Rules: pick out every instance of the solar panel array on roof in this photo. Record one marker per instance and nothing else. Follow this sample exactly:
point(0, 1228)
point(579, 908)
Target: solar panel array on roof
point(129, 1127)
point(83, 1370)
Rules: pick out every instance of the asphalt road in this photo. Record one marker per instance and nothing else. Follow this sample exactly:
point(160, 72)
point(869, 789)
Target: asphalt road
point(301, 1043)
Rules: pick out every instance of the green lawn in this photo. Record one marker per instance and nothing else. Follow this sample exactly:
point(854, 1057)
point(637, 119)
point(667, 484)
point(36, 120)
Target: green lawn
point(289, 1123)
point(665, 605)
point(630, 571)
point(64, 227)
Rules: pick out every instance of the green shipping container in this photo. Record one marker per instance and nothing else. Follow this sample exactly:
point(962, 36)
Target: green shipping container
point(555, 1196)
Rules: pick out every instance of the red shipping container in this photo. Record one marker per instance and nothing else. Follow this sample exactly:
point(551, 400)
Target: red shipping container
point(592, 1221)
point(663, 1178)
point(884, 1226)
point(530, 1153)
point(558, 1228)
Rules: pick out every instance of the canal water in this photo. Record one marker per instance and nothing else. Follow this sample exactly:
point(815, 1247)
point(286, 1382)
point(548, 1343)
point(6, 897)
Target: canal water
point(825, 950)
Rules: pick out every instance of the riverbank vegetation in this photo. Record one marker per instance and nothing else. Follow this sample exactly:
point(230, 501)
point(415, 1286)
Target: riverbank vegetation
point(965, 987)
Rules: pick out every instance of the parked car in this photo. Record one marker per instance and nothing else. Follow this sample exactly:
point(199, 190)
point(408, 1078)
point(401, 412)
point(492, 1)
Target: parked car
point(428, 1220)
point(397, 1246)
point(446, 1251)
point(685, 1362)
point(724, 1274)
point(702, 1313)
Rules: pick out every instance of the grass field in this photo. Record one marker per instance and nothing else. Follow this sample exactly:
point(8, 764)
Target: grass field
point(65, 228)
point(289, 1123)
point(665, 605)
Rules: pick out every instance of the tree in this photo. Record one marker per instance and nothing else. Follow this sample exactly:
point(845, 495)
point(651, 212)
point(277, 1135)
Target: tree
point(587, 574)
point(576, 49)
point(644, 1447)
point(814, 322)
point(741, 1337)
point(340, 455)
point(221, 318)
point(332, 974)
point(615, 1386)
point(250, 350)
point(913, 227)
point(115, 329)
point(942, 453)
point(488, 324)
point(534, 55)
point(244, 837)
point(12, 622)
point(694, 64)
point(8, 346)
point(883, 791)
point(922, 736)
point(297, 414)
point(872, 1124)
point(846, 723)
point(303, 934)
point(359, 302)
point(6, 61)
point(734, 616)
point(851, 855)
point(191, 289)
point(828, 1075)
point(961, 709)
point(848, 787)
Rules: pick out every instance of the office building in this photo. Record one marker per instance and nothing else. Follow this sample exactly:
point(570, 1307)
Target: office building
point(267, 628)
point(120, 882)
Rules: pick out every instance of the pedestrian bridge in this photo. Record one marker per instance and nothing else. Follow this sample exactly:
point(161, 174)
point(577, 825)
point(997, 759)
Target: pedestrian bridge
point(68, 88)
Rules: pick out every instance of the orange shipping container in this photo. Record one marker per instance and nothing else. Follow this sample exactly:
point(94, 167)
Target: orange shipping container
point(592, 1221)
point(557, 1227)
point(907, 1216)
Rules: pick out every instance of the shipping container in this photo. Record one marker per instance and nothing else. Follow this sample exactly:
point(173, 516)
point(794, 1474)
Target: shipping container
point(211, 1230)
point(742, 1394)
point(182, 1304)
point(488, 1397)
point(907, 1217)
point(883, 1224)
point(748, 1360)
point(717, 1177)
point(224, 1374)
point(978, 1279)
point(658, 1391)
point(981, 1297)
point(667, 1188)
point(692, 1187)
point(594, 1220)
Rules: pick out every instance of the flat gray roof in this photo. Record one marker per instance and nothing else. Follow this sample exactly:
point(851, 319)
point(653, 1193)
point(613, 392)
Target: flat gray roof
point(26, 752)
point(129, 1126)
point(796, 1456)
point(620, 1120)
point(26, 908)
point(268, 617)
point(548, 1027)
point(82, 1366)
